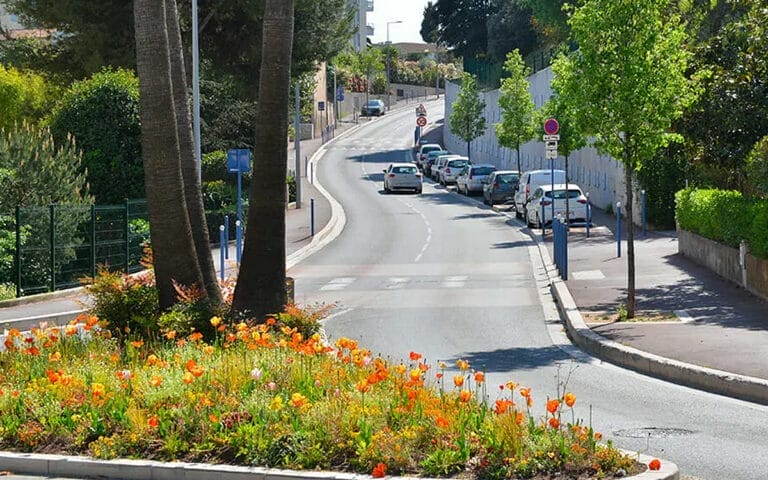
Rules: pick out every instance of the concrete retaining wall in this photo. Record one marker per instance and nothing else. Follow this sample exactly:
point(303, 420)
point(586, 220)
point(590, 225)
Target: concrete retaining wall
point(726, 262)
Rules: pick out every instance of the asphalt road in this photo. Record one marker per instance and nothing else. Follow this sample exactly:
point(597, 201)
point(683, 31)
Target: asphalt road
point(448, 277)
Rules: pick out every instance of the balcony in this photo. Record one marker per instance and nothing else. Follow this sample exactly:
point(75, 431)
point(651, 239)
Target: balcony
point(368, 5)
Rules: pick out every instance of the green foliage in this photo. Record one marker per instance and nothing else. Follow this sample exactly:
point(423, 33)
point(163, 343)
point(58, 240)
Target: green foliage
point(430, 23)
point(757, 168)
point(128, 305)
point(720, 215)
point(662, 176)
point(102, 114)
point(7, 291)
point(518, 118)
point(228, 118)
point(467, 120)
point(24, 97)
point(511, 28)
point(463, 25)
point(549, 19)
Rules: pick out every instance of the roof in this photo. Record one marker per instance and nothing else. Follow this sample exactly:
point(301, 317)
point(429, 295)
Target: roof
point(558, 186)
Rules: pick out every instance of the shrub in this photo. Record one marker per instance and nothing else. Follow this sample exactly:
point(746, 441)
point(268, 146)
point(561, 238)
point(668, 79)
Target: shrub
point(7, 291)
point(102, 114)
point(757, 168)
point(24, 97)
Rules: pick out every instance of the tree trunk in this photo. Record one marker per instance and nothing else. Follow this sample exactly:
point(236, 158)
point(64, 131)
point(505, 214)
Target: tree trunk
point(189, 169)
point(469, 145)
point(628, 166)
point(519, 172)
point(170, 231)
point(260, 286)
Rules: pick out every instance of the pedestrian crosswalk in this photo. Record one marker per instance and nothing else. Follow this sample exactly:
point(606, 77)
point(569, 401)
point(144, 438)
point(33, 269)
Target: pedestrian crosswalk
point(414, 282)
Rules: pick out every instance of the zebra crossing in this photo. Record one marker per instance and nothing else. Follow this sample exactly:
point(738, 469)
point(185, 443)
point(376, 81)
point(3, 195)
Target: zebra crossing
point(448, 282)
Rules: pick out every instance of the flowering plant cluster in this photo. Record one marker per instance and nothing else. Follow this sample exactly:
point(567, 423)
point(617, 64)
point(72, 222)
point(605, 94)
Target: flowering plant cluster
point(269, 395)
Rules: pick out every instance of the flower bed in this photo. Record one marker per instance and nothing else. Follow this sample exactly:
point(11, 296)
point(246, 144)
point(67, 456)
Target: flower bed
point(267, 395)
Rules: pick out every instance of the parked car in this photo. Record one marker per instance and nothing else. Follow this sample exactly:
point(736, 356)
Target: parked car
point(471, 177)
point(430, 169)
point(421, 153)
point(452, 169)
point(540, 204)
point(402, 176)
point(529, 182)
point(373, 107)
point(500, 187)
point(431, 156)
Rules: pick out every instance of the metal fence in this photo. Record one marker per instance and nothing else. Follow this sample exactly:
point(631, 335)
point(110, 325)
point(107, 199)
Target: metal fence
point(54, 246)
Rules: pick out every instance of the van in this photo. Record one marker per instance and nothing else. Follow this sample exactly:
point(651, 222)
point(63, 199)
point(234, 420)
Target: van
point(529, 182)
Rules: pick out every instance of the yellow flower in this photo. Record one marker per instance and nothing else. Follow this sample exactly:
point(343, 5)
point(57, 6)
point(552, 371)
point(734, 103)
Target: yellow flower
point(462, 364)
point(276, 404)
point(458, 380)
point(188, 378)
point(54, 357)
point(298, 400)
point(215, 321)
point(97, 390)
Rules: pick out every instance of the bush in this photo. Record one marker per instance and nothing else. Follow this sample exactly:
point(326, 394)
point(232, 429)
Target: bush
point(24, 97)
point(102, 113)
point(757, 168)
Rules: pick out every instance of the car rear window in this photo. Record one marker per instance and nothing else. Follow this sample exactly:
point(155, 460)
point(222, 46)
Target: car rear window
point(483, 170)
point(426, 150)
point(436, 153)
point(507, 178)
point(560, 194)
point(411, 170)
point(457, 163)
point(373, 103)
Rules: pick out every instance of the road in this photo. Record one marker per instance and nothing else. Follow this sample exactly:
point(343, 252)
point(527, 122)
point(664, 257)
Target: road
point(450, 278)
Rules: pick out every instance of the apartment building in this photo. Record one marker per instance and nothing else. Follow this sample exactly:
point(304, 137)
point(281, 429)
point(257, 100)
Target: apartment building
point(363, 30)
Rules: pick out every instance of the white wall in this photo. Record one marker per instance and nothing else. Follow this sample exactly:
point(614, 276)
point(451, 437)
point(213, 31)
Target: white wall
point(600, 175)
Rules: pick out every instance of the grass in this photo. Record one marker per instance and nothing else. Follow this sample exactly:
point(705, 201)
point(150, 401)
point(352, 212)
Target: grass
point(267, 395)
point(648, 316)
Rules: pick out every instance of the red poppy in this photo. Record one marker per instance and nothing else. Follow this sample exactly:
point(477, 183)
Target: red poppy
point(553, 406)
point(654, 464)
point(415, 357)
point(554, 422)
point(379, 471)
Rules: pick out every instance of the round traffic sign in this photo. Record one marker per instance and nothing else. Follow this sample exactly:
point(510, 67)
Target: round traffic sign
point(551, 127)
point(421, 121)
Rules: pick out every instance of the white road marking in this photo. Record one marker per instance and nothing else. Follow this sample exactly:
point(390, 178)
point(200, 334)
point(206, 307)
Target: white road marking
point(338, 283)
point(395, 283)
point(588, 275)
point(428, 240)
point(454, 281)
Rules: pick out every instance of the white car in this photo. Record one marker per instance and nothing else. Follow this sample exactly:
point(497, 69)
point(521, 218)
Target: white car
point(421, 154)
point(540, 204)
point(402, 176)
point(473, 176)
point(432, 168)
point(529, 182)
point(452, 168)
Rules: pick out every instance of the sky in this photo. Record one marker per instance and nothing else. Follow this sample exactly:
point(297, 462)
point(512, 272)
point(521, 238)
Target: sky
point(409, 11)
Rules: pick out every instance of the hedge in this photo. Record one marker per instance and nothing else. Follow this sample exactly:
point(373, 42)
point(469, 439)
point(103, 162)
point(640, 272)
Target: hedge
point(725, 216)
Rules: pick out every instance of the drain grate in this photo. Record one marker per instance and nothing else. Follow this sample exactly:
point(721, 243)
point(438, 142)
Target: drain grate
point(652, 432)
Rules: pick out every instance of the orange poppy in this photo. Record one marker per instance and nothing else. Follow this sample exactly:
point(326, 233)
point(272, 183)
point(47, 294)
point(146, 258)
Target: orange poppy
point(654, 464)
point(188, 378)
point(415, 374)
point(479, 377)
point(97, 390)
point(503, 405)
point(137, 343)
point(156, 380)
point(458, 380)
point(553, 406)
point(569, 399)
point(462, 364)
point(525, 392)
point(441, 422)
point(153, 421)
point(554, 422)
point(379, 471)
point(414, 356)
point(465, 395)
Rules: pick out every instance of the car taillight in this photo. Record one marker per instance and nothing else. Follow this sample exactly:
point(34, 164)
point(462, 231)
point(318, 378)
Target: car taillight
point(582, 201)
point(391, 175)
point(545, 202)
point(448, 170)
point(527, 190)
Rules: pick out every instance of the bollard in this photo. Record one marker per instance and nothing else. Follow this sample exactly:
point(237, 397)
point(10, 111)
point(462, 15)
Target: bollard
point(225, 245)
point(589, 214)
point(618, 229)
point(312, 217)
point(541, 219)
point(310, 174)
point(222, 246)
point(642, 211)
point(238, 241)
point(564, 260)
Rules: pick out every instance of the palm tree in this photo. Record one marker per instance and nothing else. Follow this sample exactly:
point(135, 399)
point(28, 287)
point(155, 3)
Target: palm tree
point(260, 286)
point(171, 234)
point(192, 189)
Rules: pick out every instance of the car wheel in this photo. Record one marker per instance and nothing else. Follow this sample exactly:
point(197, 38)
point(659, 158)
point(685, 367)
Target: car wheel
point(518, 214)
point(538, 221)
point(418, 191)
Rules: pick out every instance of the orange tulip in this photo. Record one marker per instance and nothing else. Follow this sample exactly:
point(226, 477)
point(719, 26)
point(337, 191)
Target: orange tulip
point(458, 380)
point(553, 406)
point(569, 399)
point(654, 464)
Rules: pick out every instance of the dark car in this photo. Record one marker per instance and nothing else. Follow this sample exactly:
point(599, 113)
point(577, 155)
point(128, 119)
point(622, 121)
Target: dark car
point(500, 187)
point(373, 107)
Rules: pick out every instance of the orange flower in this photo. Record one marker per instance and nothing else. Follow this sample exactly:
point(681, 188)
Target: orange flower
point(479, 377)
point(298, 400)
point(654, 464)
point(441, 422)
point(502, 406)
point(70, 330)
point(415, 374)
point(400, 369)
point(415, 356)
point(465, 395)
point(554, 422)
point(208, 349)
point(194, 337)
point(379, 471)
point(153, 421)
point(525, 392)
point(53, 376)
point(213, 418)
point(188, 378)
point(156, 380)
point(462, 364)
point(553, 406)
point(569, 399)
point(511, 385)
point(170, 335)
point(137, 343)
point(458, 380)
point(97, 390)
point(519, 418)
point(598, 436)
point(439, 375)
point(54, 357)
point(362, 386)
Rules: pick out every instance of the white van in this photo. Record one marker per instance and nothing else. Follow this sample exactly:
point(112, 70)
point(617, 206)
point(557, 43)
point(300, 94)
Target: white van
point(529, 182)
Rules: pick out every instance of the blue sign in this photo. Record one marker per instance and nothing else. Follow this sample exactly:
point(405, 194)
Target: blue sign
point(340, 94)
point(320, 106)
point(239, 160)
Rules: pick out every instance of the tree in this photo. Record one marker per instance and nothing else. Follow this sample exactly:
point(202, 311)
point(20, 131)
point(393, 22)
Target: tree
point(518, 118)
point(464, 25)
point(511, 28)
point(102, 113)
point(24, 96)
point(467, 120)
point(629, 81)
point(430, 24)
point(174, 255)
point(549, 19)
point(260, 286)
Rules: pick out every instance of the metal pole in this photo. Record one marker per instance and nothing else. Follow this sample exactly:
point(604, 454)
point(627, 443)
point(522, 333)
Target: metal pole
point(222, 246)
point(618, 228)
point(541, 220)
point(226, 236)
point(312, 217)
point(93, 241)
point(437, 73)
point(552, 180)
point(335, 99)
point(239, 195)
point(238, 241)
point(564, 273)
point(297, 142)
point(196, 90)
point(589, 214)
point(642, 210)
point(52, 209)
point(127, 233)
point(18, 251)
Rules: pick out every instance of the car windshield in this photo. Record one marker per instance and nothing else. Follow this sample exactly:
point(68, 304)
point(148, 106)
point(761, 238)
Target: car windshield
point(457, 163)
point(483, 170)
point(426, 150)
point(373, 103)
point(507, 178)
point(560, 194)
point(411, 170)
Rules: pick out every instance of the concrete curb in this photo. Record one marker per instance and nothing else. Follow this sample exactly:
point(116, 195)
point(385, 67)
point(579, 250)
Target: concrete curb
point(711, 380)
point(79, 467)
point(41, 297)
point(26, 323)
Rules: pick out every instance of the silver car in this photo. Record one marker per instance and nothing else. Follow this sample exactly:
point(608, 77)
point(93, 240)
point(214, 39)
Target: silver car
point(452, 168)
point(402, 176)
point(472, 177)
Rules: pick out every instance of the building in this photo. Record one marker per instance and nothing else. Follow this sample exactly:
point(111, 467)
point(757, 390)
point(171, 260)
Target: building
point(362, 29)
point(8, 22)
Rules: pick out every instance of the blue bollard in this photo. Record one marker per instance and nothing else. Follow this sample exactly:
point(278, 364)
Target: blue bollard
point(564, 273)
point(642, 211)
point(222, 246)
point(225, 246)
point(312, 217)
point(238, 241)
point(618, 228)
point(589, 215)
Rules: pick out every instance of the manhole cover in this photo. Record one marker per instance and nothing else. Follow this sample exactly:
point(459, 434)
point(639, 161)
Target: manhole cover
point(652, 432)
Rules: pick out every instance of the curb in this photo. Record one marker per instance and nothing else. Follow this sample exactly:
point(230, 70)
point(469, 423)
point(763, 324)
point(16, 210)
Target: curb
point(733, 385)
point(79, 467)
point(41, 297)
point(27, 323)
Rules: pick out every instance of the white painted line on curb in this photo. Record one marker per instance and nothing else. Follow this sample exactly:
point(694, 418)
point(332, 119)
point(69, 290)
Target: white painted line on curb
point(684, 316)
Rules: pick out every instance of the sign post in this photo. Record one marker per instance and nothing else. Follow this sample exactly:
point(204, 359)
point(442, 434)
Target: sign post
point(551, 127)
point(239, 161)
point(421, 121)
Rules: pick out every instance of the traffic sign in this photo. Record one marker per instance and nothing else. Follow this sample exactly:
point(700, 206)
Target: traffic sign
point(320, 106)
point(551, 127)
point(548, 138)
point(421, 121)
point(549, 154)
point(551, 145)
point(239, 160)
point(421, 110)
point(340, 94)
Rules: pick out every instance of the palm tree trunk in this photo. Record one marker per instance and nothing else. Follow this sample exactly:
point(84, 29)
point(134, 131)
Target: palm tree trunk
point(170, 231)
point(260, 286)
point(189, 170)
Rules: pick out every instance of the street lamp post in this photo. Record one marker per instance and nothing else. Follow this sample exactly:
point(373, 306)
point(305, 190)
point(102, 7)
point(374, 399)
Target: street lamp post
point(387, 44)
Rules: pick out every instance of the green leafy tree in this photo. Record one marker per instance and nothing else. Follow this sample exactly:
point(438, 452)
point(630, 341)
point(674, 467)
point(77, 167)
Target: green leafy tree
point(102, 114)
point(430, 23)
point(757, 169)
point(511, 28)
point(550, 19)
point(24, 96)
point(518, 113)
point(467, 120)
point(629, 81)
point(464, 25)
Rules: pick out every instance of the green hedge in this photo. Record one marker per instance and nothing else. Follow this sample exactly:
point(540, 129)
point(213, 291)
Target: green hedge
point(725, 216)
